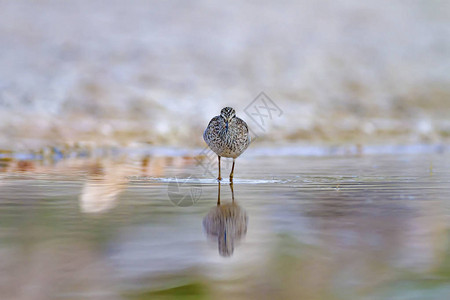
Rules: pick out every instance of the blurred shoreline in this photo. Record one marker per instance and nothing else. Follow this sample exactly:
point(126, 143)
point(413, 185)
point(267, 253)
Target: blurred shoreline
point(111, 75)
point(55, 154)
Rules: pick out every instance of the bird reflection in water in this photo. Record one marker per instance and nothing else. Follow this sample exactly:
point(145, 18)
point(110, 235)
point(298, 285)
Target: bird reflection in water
point(226, 223)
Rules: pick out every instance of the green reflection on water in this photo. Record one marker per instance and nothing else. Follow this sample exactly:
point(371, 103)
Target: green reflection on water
point(195, 290)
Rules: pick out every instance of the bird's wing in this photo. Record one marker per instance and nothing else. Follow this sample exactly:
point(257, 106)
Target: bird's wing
point(211, 126)
point(244, 129)
point(241, 124)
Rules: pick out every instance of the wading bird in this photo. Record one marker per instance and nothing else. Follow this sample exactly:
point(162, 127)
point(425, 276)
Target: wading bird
point(227, 135)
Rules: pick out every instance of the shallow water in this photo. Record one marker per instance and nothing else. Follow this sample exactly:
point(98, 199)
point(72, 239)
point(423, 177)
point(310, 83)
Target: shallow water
point(337, 227)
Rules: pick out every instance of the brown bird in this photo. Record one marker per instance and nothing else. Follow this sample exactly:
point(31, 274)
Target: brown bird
point(227, 135)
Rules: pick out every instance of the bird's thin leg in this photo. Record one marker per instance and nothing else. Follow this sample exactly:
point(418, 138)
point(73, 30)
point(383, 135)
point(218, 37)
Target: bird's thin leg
point(232, 171)
point(232, 191)
point(219, 178)
point(218, 193)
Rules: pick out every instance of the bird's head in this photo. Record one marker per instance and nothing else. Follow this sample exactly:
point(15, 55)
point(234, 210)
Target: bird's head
point(228, 113)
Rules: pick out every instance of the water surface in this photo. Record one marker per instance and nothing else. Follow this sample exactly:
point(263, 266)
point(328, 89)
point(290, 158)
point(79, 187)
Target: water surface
point(330, 227)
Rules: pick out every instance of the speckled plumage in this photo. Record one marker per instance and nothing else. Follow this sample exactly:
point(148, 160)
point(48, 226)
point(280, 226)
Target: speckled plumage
point(227, 135)
point(227, 142)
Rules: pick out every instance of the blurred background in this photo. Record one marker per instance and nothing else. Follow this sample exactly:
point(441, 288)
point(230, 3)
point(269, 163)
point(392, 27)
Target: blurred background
point(103, 104)
point(138, 72)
